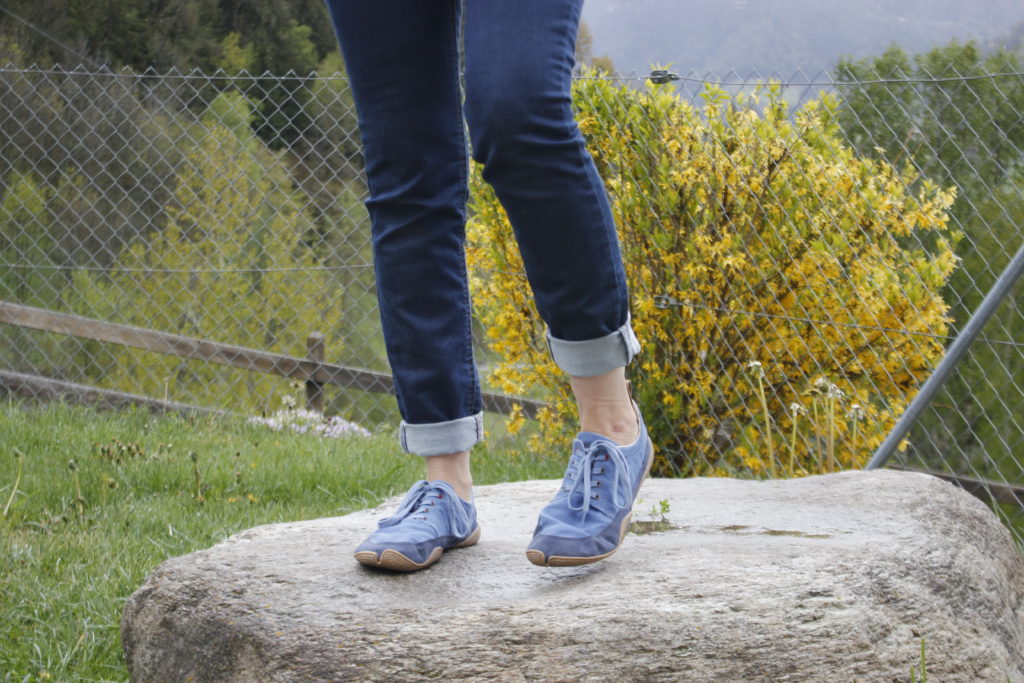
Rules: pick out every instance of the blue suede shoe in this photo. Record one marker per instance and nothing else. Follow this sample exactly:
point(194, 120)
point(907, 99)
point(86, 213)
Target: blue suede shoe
point(588, 518)
point(431, 519)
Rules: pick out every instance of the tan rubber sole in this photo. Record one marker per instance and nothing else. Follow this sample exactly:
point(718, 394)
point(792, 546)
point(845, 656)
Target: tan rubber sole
point(537, 557)
point(396, 561)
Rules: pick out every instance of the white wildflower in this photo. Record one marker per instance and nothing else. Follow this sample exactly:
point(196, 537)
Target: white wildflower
point(310, 422)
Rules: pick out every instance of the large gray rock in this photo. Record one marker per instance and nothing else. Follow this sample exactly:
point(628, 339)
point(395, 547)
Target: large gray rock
point(834, 577)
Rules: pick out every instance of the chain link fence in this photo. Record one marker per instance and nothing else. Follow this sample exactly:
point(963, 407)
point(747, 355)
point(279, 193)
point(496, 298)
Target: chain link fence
point(800, 254)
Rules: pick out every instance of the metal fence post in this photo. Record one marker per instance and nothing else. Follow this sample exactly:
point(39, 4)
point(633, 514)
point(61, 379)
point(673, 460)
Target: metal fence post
point(957, 350)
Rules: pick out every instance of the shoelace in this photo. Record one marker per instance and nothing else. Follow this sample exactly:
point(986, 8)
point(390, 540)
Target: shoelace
point(582, 474)
point(416, 503)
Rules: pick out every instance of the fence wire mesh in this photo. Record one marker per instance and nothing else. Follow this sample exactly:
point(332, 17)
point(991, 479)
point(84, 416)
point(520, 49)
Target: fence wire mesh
point(800, 251)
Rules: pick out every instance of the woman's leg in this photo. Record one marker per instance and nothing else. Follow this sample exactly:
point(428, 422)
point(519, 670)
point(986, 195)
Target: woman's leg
point(402, 58)
point(519, 60)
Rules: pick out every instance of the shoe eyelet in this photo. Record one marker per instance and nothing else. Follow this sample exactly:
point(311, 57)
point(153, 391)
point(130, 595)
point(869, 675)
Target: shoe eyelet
point(597, 483)
point(596, 497)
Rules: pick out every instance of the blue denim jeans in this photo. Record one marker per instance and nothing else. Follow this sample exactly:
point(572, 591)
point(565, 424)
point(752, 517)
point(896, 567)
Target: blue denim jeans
point(403, 61)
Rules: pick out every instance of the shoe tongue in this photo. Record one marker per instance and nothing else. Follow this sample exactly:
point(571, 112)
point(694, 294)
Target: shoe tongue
point(590, 437)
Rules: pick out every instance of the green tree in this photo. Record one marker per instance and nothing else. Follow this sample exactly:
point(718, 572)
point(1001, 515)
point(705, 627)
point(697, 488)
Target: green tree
point(941, 110)
point(282, 36)
point(982, 407)
point(32, 253)
point(951, 114)
point(229, 266)
point(104, 149)
point(24, 240)
point(236, 57)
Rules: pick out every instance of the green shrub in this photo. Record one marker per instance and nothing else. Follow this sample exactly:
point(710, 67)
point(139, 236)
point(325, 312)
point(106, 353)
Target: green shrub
point(229, 266)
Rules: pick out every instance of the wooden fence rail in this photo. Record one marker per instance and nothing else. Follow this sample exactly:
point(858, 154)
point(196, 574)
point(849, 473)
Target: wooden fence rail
point(49, 389)
point(311, 370)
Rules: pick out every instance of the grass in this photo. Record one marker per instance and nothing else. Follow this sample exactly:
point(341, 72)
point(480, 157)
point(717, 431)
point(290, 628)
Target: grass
point(103, 497)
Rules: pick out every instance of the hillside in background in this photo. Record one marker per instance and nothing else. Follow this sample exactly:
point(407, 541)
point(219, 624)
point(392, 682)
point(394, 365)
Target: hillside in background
point(783, 35)
point(692, 35)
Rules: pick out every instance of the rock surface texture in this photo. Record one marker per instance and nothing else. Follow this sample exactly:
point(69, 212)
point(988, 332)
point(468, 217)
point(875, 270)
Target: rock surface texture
point(834, 577)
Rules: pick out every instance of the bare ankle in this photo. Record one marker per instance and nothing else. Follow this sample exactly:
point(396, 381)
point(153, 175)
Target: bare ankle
point(452, 468)
point(622, 428)
point(605, 406)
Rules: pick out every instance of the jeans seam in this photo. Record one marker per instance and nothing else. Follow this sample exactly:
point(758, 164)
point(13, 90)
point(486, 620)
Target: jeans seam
point(464, 193)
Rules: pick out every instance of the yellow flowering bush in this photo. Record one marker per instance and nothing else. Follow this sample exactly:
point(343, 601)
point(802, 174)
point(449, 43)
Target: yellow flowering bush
point(785, 290)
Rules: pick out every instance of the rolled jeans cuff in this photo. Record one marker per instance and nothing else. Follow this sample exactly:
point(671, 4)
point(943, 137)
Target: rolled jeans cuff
point(441, 438)
point(595, 356)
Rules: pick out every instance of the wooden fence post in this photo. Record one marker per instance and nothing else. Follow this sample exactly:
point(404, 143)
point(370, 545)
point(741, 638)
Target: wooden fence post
point(315, 389)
